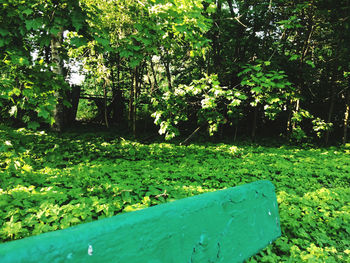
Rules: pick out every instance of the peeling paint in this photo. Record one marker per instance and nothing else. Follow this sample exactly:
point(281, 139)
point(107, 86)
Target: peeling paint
point(90, 250)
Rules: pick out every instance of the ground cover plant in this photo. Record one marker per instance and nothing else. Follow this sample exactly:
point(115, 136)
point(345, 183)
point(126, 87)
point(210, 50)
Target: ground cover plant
point(50, 182)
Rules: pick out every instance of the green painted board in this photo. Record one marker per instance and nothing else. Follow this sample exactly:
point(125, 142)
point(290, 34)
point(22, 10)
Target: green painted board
point(224, 226)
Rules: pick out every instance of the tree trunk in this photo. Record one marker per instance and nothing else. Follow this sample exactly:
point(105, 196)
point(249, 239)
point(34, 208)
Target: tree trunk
point(116, 105)
point(330, 112)
point(150, 83)
point(47, 54)
point(105, 103)
point(57, 68)
point(71, 112)
point(131, 100)
point(112, 106)
point(347, 113)
point(216, 45)
point(136, 83)
point(154, 77)
point(236, 130)
point(297, 108)
point(289, 119)
point(255, 117)
point(229, 2)
point(166, 63)
point(100, 104)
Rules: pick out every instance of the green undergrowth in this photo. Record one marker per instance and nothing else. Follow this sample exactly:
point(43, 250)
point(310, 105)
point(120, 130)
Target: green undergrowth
point(51, 182)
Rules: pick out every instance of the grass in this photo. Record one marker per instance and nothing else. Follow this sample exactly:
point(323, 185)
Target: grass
point(51, 182)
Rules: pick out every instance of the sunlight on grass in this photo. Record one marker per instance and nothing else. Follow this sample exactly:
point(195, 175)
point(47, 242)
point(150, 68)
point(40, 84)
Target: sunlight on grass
point(50, 182)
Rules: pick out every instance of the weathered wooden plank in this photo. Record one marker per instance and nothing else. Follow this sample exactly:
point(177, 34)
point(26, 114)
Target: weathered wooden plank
point(223, 226)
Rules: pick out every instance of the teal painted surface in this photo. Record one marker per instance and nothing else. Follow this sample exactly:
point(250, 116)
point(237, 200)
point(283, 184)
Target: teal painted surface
point(224, 226)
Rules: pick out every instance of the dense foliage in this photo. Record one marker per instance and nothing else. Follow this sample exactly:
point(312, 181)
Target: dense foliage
point(51, 182)
point(288, 61)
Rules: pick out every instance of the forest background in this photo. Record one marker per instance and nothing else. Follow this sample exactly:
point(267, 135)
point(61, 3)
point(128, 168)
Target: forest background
point(225, 67)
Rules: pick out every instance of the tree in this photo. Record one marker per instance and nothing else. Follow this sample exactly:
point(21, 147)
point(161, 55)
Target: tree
point(33, 55)
point(287, 60)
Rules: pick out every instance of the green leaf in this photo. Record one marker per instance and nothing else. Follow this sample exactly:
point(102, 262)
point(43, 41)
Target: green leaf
point(33, 24)
point(309, 62)
point(255, 79)
point(55, 30)
point(244, 72)
point(136, 48)
point(146, 42)
point(273, 100)
point(4, 32)
point(78, 41)
point(27, 11)
point(242, 97)
point(134, 63)
point(294, 57)
point(33, 125)
point(42, 112)
point(78, 20)
point(51, 120)
point(256, 89)
point(103, 41)
point(15, 91)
